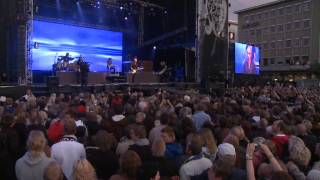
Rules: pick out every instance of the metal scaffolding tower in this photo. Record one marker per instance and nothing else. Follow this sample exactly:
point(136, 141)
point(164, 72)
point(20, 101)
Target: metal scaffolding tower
point(29, 45)
point(24, 36)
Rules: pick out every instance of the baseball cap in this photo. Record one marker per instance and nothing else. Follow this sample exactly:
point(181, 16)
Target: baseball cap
point(226, 149)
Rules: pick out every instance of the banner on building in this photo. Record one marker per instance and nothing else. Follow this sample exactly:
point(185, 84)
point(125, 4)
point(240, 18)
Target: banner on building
point(212, 39)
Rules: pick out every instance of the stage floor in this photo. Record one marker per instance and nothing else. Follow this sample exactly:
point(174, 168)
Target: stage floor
point(17, 91)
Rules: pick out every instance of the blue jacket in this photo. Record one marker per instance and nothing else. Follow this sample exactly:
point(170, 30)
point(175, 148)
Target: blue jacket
point(173, 150)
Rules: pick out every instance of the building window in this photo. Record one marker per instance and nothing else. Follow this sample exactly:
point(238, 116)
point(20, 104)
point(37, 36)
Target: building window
point(272, 61)
point(288, 43)
point(266, 46)
point(306, 24)
point(246, 19)
point(273, 45)
point(279, 61)
point(288, 27)
point(274, 13)
point(297, 8)
point(245, 34)
point(280, 28)
point(281, 11)
point(252, 18)
point(306, 6)
point(289, 10)
point(252, 32)
point(296, 60)
point(297, 43)
point(306, 42)
point(297, 25)
point(266, 15)
point(280, 44)
point(305, 60)
point(273, 29)
point(265, 61)
point(265, 31)
point(259, 16)
point(288, 60)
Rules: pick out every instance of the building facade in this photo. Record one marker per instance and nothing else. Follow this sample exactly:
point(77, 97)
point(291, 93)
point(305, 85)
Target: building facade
point(288, 34)
point(233, 31)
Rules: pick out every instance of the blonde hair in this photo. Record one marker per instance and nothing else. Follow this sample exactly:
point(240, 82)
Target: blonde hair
point(53, 172)
point(36, 143)
point(158, 148)
point(298, 152)
point(209, 141)
point(83, 170)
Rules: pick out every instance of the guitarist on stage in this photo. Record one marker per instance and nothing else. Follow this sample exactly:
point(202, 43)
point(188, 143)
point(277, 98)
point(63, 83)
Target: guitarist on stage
point(134, 65)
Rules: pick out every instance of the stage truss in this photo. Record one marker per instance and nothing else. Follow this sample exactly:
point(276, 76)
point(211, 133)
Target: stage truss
point(29, 45)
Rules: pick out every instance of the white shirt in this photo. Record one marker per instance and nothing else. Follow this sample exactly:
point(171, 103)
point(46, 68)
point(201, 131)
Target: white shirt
point(67, 153)
point(194, 167)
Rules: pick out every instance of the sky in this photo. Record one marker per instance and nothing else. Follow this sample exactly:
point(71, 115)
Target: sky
point(242, 4)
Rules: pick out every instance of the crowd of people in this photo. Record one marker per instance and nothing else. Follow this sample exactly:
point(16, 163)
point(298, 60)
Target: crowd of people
point(252, 132)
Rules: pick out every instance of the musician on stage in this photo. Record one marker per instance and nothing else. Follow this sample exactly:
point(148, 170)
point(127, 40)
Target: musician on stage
point(134, 65)
point(83, 70)
point(65, 60)
point(110, 67)
point(163, 73)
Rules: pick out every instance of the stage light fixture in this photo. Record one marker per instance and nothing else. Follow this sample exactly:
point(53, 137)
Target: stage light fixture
point(126, 18)
point(154, 47)
point(121, 7)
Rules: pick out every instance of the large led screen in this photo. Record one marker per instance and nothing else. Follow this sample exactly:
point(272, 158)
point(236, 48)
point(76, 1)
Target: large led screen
point(247, 59)
point(53, 40)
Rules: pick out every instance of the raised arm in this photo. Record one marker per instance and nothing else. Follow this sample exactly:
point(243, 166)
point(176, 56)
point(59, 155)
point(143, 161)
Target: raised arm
point(249, 162)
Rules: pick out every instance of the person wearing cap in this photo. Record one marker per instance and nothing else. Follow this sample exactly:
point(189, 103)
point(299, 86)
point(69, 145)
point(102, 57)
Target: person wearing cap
point(227, 154)
point(197, 165)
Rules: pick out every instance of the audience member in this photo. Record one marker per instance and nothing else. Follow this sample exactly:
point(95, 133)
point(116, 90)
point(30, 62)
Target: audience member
point(130, 164)
point(83, 170)
point(163, 134)
point(32, 165)
point(68, 151)
point(53, 172)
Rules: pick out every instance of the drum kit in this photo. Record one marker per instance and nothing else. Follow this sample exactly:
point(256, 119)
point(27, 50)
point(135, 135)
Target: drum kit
point(67, 64)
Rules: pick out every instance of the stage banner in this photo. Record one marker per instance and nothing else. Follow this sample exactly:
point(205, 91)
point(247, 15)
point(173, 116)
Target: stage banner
point(212, 39)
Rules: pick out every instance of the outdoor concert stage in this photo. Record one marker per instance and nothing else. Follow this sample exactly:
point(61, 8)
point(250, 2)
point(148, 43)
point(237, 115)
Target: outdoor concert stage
point(43, 89)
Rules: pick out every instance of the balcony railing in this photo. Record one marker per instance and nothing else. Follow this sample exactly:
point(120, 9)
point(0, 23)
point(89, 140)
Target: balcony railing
point(285, 68)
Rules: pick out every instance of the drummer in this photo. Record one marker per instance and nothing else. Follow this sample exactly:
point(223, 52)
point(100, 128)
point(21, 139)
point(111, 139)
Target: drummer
point(67, 58)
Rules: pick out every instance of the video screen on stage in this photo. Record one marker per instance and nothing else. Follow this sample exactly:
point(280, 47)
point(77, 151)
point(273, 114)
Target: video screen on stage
point(247, 59)
point(51, 41)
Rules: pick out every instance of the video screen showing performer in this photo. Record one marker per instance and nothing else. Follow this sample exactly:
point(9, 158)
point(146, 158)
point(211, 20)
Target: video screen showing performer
point(247, 59)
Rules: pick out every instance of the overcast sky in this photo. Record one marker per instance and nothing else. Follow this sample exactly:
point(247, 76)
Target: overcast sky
point(242, 4)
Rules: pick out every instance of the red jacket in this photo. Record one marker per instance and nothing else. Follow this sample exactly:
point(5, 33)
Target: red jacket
point(281, 142)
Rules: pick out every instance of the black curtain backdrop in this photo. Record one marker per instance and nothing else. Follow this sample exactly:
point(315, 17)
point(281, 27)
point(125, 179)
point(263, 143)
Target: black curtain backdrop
point(8, 38)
